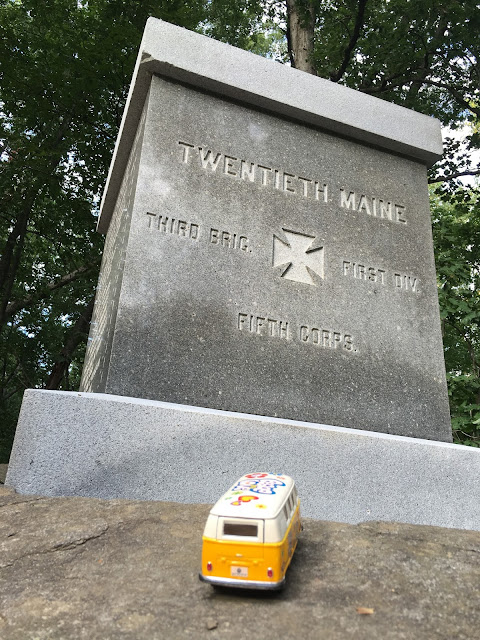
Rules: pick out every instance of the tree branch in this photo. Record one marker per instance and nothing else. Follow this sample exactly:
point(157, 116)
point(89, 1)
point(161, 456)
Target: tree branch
point(6, 379)
point(289, 40)
point(335, 77)
point(15, 391)
point(15, 307)
point(456, 94)
point(452, 176)
point(425, 68)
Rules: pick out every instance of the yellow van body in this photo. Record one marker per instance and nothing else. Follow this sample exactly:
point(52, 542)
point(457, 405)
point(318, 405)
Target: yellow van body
point(251, 533)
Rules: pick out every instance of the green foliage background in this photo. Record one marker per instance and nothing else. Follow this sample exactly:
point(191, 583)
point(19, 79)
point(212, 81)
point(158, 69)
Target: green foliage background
point(65, 68)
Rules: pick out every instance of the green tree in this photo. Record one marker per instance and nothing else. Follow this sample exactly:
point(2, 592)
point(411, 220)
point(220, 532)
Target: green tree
point(65, 67)
point(456, 228)
point(65, 70)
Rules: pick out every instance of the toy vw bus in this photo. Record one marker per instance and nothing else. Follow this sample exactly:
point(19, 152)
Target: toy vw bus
point(251, 533)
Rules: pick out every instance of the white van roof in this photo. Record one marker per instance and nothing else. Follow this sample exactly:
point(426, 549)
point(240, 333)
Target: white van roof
point(254, 495)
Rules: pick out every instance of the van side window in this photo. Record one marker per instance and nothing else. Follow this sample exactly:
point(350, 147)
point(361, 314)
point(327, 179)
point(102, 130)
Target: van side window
point(236, 529)
point(290, 503)
point(285, 511)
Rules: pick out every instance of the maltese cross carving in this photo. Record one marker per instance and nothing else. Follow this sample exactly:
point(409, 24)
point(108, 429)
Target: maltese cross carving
point(298, 256)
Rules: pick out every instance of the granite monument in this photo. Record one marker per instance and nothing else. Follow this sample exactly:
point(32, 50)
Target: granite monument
point(267, 300)
point(269, 246)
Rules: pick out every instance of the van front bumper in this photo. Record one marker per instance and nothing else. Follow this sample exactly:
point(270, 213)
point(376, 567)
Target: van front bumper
point(242, 584)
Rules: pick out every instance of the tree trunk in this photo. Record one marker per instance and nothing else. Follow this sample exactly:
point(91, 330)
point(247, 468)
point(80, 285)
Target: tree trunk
point(300, 33)
point(76, 334)
point(12, 252)
point(11, 255)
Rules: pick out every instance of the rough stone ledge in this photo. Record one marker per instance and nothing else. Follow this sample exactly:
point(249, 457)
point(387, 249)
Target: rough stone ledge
point(89, 568)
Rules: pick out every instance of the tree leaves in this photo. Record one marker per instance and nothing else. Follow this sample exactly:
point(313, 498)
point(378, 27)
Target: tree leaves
point(456, 230)
point(65, 69)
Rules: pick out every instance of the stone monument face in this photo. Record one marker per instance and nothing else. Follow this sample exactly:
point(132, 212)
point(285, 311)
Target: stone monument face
point(262, 262)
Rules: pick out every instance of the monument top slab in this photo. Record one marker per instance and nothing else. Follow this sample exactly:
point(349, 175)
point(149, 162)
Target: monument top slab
point(189, 57)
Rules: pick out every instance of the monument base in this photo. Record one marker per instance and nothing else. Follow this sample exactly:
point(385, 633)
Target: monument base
point(104, 446)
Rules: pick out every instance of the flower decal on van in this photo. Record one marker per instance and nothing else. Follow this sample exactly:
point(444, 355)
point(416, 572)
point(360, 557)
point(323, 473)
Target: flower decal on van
point(262, 485)
point(241, 499)
point(256, 476)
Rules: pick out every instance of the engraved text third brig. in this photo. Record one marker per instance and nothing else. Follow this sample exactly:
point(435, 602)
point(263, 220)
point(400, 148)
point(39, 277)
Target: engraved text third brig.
point(296, 256)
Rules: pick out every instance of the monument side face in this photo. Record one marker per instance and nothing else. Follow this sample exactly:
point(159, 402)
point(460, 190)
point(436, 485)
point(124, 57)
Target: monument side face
point(273, 268)
point(104, 318)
